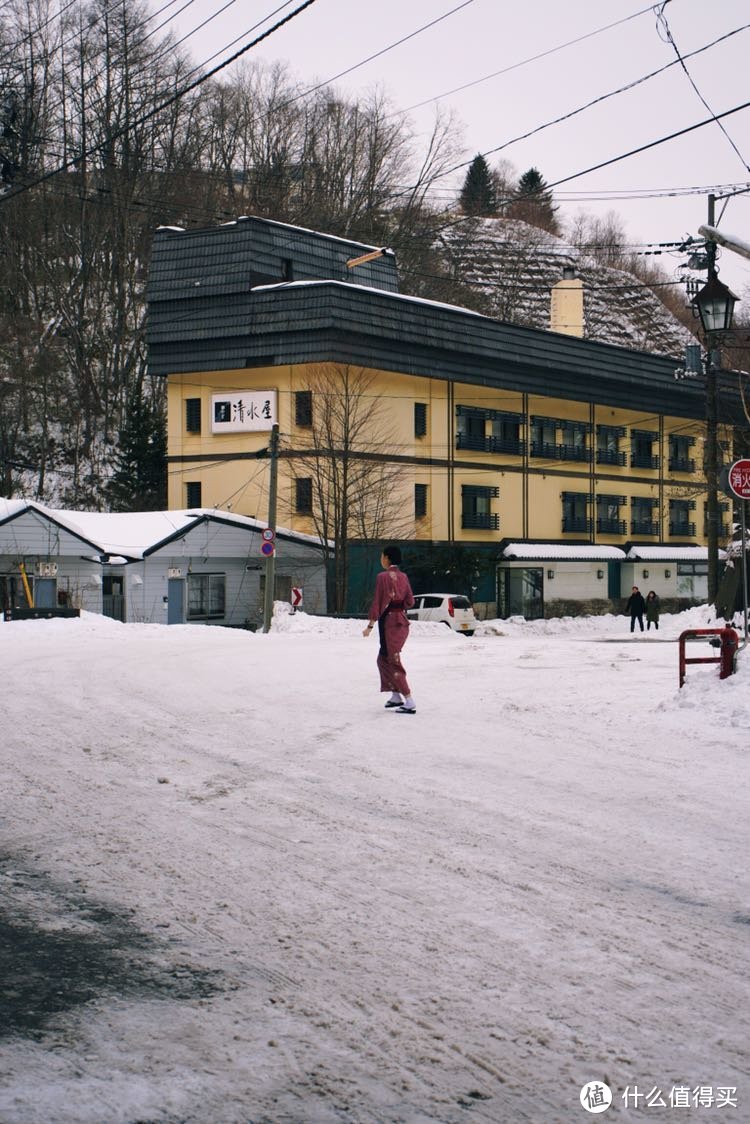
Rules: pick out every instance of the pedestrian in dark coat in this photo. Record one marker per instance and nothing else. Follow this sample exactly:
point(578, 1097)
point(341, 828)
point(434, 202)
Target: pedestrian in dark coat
point(636, 606)
point(652, 610)
point(393, 596)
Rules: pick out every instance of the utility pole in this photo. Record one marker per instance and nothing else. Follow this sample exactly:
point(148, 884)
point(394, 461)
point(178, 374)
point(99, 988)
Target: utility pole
point(712, 452)
point(273, 453)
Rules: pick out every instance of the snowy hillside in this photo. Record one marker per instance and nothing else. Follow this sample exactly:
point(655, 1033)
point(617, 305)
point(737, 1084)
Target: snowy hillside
point(509, 268)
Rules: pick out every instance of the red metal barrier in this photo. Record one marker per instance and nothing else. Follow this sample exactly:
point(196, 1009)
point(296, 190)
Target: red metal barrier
point(727, 643)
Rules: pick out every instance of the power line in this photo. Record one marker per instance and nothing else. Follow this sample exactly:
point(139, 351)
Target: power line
point(661, 20)
point(162, 105)
point(532, 58)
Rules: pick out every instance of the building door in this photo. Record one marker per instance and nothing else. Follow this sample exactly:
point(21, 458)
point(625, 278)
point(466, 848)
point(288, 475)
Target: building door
point(45, 593)
point(613, 580)
point(520, 592)
point(175, 600)
point(113, 596)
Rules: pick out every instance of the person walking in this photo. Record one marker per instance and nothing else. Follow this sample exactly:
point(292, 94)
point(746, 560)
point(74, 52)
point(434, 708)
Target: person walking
point(636, 606)
point(652, 610)
point(393, 596)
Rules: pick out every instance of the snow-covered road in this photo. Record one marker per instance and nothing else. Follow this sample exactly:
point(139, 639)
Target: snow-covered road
point(247, 893)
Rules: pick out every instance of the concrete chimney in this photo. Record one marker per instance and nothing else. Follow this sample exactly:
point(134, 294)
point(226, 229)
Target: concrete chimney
point(566, 306)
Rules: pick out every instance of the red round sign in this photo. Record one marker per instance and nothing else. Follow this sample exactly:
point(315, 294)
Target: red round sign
point(739, 479)
point(267, 548)
point(268, 534)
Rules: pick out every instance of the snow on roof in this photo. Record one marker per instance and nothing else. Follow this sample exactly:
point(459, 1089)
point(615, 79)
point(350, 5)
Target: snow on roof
point(670, 553)
point(537, 550)
point(131, 535)
point(358, 289)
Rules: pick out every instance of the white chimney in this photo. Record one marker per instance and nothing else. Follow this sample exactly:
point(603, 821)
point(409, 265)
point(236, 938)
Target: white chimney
point(566, 305)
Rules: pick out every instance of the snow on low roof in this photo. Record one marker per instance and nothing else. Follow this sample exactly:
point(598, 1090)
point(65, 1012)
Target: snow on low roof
point(554, 551)
point(670, 554)
point(358, 288)
point(133, 535)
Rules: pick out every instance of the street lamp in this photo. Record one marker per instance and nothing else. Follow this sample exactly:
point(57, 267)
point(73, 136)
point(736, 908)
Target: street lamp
point(715, 307)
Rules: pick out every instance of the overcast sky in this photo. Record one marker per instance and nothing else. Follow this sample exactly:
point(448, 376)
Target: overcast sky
point(482, 37)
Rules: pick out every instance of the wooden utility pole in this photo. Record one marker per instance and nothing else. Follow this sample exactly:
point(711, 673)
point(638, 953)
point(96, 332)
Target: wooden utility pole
point(273, 453)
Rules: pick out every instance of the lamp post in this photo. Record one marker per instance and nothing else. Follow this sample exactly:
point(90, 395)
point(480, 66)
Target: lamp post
point(715, 307)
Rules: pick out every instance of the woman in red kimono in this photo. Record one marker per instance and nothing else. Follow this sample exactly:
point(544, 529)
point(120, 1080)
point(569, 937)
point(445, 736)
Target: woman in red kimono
point(393, 596)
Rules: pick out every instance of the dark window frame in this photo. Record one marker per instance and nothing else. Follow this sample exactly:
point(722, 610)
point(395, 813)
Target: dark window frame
point(193, 415)
point(303, 408)
point(420, 501)
point(212, 599)
point(303, 495)
point(193, 489)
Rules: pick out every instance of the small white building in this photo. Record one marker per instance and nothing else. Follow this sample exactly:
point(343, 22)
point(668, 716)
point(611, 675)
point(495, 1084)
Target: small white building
point(165, 567)
point(533, 576)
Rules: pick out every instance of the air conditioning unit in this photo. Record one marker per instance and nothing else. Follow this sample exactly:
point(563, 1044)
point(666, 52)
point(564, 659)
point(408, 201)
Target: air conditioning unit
point(46, 569)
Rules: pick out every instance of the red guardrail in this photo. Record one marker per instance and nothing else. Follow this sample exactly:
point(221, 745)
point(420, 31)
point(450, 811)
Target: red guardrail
point(728, 643)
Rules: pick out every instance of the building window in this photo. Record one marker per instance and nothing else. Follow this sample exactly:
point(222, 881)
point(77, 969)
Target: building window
point(575, 518)
point(544, 437)
point(608, 521)
point(679, 518)
point(420, 419)
point(206, 596)
point(643, 516)
point(303, 487)
point(420, 501)
point(471, 429)
point(193, 415)
point(642, 444)
point(303, 407)
point(679, 453)
point(194, 493)
point(574, 447)
point(475, 508)
point(608, 444)
point(724, 527)
point(506, 434)
point(287, 269)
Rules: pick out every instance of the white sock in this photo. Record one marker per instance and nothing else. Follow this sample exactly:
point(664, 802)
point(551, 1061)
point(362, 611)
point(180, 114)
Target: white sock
point(395, 697)
point(409, 703)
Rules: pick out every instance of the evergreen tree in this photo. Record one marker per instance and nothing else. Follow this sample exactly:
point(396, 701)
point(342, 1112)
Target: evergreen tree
point(138, 482)
point(533, 203)
point(478, 194)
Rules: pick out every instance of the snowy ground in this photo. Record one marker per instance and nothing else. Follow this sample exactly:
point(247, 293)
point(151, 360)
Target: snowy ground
point(235, 890)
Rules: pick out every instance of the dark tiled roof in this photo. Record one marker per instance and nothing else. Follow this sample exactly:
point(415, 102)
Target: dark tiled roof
point(231, 259)
point(223, 324)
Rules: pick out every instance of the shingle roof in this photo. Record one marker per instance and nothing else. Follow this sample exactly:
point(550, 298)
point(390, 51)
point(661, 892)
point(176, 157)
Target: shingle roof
point(215, 321)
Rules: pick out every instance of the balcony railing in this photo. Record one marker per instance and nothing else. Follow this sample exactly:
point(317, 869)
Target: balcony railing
point(683, 530)
point(681, 464)
point(611, 526)
point(643, 460)
point(644, 527)
point(476, 522)
point(555, 452)
point(576, 524)
point(609, 456)
point(514, 446)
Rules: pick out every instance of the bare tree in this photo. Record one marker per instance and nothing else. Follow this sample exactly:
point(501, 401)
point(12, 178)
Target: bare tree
point(357, 490)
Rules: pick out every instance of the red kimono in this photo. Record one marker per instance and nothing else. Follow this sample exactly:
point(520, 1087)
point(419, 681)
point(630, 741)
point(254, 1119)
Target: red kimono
point(393, 596)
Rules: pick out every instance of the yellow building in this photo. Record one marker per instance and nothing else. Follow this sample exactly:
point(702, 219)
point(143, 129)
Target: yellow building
point(446, 428)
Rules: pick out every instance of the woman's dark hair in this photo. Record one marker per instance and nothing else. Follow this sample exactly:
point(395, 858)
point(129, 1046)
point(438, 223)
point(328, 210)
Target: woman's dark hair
point(393, 554)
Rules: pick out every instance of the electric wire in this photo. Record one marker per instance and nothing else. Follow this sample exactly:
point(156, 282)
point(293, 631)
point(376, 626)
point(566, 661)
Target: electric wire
point(532, 58)
point(13, 193)
point(662, 22)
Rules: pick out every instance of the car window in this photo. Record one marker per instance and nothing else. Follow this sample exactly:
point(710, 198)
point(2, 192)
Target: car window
point(432, 602)
point(461, 602)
